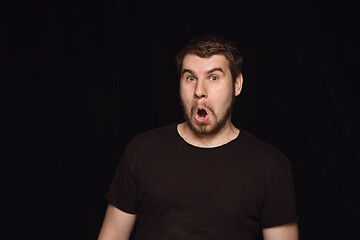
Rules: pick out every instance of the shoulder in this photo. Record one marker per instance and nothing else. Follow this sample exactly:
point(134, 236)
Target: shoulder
point(153, 138)
point(263, 153)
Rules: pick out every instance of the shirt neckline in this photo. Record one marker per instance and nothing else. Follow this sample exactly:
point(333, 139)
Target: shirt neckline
point(223, 146)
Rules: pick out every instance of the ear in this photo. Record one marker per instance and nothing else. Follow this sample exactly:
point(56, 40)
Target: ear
point(238, 84)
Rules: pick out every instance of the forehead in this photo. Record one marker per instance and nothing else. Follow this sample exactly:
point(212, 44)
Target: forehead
point(196, 63)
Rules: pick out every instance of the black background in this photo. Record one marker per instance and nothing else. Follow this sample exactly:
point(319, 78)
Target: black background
point(80, 79)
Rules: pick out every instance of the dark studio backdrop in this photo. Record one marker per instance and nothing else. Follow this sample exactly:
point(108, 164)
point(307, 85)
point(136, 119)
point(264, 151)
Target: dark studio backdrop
point(79, 80)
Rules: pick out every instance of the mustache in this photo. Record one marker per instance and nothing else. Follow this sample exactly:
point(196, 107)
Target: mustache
point(195, 105)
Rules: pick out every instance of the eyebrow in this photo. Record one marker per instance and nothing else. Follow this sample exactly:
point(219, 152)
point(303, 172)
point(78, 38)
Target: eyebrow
point(186, 70)
point(208, 72)
point(215, 69)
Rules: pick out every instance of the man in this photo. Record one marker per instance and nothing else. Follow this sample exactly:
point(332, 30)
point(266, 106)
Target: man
point(202, 178)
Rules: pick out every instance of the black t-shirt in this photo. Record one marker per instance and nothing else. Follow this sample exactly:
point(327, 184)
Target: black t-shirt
point(180, 191)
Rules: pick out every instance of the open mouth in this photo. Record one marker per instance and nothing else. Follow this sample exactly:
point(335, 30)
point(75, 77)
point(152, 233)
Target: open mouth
point(202, 114)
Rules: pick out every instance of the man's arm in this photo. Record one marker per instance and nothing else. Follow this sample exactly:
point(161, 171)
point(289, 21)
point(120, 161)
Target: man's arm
point(283, 232)
point(117, 224)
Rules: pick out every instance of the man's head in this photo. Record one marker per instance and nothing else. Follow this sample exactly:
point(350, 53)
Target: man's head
point(210, 78)
point(209, 45)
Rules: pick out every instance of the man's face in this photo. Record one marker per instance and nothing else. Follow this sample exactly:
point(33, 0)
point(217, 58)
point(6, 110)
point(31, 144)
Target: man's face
point(207, 93)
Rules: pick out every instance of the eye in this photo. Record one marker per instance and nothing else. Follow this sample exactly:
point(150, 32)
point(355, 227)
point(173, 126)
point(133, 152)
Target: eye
point(213, 78)
point(190, 78)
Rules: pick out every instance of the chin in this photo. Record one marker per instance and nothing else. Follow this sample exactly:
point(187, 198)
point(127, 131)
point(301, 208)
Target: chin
point(206, 130)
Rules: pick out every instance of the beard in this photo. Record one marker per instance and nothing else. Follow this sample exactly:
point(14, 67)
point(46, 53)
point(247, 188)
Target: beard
point(218, 125)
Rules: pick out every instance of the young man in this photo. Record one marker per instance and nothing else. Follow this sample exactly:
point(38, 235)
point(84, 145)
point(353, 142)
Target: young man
point(203, 178)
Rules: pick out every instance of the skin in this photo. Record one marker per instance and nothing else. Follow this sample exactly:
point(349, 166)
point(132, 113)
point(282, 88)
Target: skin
point(206, 83)
point(117, 224)
point(283, 232)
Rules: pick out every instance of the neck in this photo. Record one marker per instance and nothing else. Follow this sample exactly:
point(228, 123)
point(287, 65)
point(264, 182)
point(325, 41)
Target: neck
point(225, 135)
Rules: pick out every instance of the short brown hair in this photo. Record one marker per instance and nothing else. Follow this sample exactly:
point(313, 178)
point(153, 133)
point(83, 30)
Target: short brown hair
point(209, 45)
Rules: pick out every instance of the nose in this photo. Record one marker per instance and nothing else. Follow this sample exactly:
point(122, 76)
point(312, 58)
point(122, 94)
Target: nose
point(200, 90)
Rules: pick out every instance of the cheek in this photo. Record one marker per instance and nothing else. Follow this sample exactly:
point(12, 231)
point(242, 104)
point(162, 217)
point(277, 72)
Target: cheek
point(186, 94)
point(223, 101)
point(185, 102)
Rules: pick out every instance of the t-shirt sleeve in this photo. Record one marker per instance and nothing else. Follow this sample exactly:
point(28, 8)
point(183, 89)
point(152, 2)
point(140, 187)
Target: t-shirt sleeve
point(122, 191)
point(279, 206)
